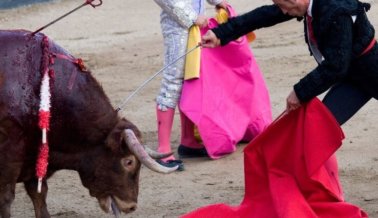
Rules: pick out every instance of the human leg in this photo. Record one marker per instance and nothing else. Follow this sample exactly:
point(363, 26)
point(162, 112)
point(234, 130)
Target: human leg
point(344, 100)
point(164, 124)
point(187, 133)
point(189, 146)
point(169, 94)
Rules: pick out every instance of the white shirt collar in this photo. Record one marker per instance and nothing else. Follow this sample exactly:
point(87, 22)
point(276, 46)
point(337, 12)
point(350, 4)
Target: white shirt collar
point(309, 9)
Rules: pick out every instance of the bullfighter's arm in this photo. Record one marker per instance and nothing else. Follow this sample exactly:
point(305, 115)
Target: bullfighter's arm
point(264, 16)
point(181, 11)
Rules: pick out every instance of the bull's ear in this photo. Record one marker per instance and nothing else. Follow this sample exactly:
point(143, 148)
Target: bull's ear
point(114, 140)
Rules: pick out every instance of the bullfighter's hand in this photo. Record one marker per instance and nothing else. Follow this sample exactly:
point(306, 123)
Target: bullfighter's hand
point(223, 5)
point(210, 40)
point(292, 102)
point(201, 21)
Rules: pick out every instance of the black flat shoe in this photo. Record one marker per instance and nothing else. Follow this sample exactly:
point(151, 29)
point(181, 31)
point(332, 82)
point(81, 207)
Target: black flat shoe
point(186, 152)
point(172, 163)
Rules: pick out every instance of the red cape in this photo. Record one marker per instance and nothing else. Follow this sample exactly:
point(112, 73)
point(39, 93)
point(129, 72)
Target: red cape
point(291, 170)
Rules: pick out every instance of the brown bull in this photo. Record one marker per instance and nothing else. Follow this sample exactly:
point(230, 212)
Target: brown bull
point(86, 134)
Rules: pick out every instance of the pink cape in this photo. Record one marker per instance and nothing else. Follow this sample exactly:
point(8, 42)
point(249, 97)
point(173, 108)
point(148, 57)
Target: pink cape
point(230, 101)
point(291, 171)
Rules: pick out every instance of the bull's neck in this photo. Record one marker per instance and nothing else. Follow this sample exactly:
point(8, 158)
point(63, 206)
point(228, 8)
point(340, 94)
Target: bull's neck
point(71, 161)
point(82, 117)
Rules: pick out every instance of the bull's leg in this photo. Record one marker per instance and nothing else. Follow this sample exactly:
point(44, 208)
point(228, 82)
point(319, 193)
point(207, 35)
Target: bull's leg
point(8, 178)
point(6, 199)
point(38, 199)
point(11, 161)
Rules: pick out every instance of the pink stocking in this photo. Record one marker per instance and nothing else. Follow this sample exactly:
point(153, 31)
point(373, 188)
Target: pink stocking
point(187, 133)
point(164, 124)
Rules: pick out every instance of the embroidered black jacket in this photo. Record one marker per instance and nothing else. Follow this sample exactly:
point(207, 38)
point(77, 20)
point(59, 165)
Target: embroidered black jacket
point(340, 39)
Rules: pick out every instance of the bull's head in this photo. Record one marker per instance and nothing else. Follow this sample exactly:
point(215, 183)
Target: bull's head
point(113, 175)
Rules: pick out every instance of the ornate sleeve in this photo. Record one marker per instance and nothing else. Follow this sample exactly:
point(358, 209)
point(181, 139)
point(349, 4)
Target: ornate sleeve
point(264, 16)
point(180, 10)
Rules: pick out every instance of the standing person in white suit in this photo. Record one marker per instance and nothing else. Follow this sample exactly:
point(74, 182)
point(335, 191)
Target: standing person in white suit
point(176, 18)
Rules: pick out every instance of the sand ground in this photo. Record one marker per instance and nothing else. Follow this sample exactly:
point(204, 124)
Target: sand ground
point(121, 43)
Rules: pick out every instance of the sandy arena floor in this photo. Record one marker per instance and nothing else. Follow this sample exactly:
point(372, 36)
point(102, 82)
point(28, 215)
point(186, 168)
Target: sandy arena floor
point(122, 45)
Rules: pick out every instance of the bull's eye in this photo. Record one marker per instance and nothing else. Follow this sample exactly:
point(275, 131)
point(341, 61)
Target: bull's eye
point(128, 162)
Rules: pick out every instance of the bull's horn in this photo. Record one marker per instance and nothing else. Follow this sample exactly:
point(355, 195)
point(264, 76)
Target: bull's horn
point(138, 150)
point(156, 155)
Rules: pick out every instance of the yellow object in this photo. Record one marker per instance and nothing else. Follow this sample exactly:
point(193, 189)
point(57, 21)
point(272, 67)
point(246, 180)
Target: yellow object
point(222, 17)
point(251, 36)
point(193, 59)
